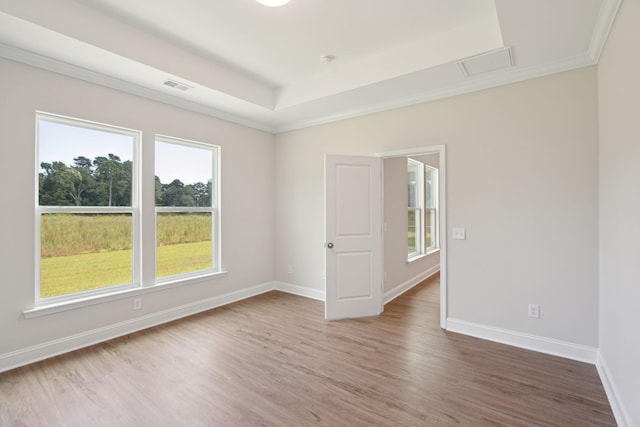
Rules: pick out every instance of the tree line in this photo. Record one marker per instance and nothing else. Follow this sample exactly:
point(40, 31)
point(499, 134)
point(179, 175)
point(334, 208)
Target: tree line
point(107, 181)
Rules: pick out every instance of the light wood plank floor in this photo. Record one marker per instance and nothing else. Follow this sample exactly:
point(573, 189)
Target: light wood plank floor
point(273, 361)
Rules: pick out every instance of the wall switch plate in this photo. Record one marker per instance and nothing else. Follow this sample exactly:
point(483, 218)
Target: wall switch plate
point(459, 233)
point(137, 303)
point(534, 311)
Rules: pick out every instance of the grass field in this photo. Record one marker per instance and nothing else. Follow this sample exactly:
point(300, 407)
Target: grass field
point(81, 252)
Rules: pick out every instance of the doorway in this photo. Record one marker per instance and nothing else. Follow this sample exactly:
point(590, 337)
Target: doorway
point(400, 279)
point(353, 211)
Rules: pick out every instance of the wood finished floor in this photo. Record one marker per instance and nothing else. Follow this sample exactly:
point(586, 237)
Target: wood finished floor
point(274, 361)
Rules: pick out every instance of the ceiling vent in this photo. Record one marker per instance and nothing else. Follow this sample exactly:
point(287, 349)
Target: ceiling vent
point(487, 62)
point(177, 85)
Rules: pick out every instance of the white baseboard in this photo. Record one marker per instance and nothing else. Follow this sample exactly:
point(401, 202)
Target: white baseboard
point(404, 287)
point(555, 347)
point(300, 291)
point(64, 345)
point(619, 410)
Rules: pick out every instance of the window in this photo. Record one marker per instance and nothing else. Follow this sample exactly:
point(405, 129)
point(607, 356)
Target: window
point(415, 180)
point(186, 202)
point(422, 214)
point(87, 208)
point(431, 208)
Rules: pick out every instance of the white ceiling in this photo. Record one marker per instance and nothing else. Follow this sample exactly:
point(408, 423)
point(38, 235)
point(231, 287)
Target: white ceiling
point(261, 66)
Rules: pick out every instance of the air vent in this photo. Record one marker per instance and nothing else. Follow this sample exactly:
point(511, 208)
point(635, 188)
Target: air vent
point(487, 62)
point(177, 85)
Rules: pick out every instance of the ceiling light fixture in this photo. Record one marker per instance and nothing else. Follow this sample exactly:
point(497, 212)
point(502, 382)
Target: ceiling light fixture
point(273, 3)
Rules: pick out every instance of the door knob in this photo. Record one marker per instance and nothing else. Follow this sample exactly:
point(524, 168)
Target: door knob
point(329, 245)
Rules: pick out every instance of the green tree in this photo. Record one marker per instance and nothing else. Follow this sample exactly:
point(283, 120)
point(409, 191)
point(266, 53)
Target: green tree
point(113, 180)
point(52, 187)
point(158, 191)
point(177, 194)
point(201, 194)
point(61, 185)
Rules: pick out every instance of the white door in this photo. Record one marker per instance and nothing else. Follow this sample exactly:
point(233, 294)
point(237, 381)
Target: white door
point(353, 237)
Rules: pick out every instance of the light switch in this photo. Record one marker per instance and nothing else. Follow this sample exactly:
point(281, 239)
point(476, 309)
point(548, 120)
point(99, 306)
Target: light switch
point(459, 233)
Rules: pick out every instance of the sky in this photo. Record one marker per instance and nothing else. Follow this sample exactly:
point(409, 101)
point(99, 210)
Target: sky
point(61, 142)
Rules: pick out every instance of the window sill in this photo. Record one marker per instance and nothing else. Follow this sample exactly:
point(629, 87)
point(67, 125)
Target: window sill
point(46, 309)
point(416, 258)
point(420, 256)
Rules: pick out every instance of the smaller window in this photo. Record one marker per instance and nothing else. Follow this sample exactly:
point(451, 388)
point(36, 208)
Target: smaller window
point(415, 213)
point(422, 214)
point(187, 208)
point(431, 208)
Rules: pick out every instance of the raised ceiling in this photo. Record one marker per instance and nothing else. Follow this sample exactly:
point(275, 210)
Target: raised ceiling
point(261, 66)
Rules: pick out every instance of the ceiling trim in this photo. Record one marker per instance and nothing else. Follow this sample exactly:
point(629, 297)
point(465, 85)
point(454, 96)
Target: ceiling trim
point(512, 76)
point(39, 61)
point(604, 23)
point(516, 74)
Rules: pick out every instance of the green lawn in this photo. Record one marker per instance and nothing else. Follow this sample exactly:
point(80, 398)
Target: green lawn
point(67, 274)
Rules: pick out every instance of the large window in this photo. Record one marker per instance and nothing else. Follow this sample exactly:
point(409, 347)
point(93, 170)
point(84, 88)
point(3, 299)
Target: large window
point(89, 222)
point(186, 207)
point(87, 207)
point(422, 213)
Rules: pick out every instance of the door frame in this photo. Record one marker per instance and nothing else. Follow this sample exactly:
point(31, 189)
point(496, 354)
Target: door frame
point(442, 188)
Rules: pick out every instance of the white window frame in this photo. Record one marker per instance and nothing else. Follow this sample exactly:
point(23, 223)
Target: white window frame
point(435, 186)
point(134, 209)
point(418, 209)
point(214, 210)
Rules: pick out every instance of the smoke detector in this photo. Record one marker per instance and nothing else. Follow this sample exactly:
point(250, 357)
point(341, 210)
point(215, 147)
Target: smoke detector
point(327, 59)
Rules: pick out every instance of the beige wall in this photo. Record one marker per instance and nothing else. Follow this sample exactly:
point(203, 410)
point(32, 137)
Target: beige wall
point(397, 270)
point(522, 179)
point(619, 95)
point(247, 199)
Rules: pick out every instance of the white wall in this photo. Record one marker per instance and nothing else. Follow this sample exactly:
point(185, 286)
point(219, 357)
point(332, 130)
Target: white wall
point(619, 97)
point(398, 271)
point(522, 178)
point(247, 199)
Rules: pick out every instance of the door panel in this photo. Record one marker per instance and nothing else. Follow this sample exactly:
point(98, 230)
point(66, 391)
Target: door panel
point(353, 275)
point(353, 237)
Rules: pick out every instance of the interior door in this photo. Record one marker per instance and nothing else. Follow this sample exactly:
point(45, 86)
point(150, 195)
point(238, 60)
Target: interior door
point(353, 236)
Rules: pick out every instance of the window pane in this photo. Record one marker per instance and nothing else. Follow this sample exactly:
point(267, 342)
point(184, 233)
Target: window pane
point(82, 166)
point(184, 242)
point(184, 175)
point(81, 252)
point(430, 228)
point(430, 190)
point(413, 240)
point(412, 178)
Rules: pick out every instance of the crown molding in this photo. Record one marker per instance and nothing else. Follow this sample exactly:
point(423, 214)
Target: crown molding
point(50, 64)
point(513, 75)
point(604, 23)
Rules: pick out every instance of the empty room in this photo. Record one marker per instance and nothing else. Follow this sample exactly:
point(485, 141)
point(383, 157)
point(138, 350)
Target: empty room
point(319, 212)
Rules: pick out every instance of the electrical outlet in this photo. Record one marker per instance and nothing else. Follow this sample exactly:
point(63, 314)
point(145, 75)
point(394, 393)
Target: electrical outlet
point(137, 303)
point(289, 269)
point(534, 311)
